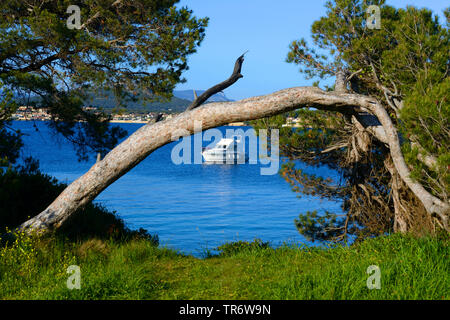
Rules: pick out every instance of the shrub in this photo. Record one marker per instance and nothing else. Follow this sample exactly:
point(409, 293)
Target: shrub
point(25, 191)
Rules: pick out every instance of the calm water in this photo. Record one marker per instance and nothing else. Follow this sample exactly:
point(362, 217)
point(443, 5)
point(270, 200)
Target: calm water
point(191, 207)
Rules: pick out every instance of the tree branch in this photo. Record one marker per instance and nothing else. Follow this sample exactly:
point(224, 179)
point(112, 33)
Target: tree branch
point(235, 76)
point(430, 202)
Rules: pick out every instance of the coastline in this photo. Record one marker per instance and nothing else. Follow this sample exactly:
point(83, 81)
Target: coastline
point(234, 124)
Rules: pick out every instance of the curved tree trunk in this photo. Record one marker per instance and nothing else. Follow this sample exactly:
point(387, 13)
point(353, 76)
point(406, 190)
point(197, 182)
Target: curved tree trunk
point(152, 136)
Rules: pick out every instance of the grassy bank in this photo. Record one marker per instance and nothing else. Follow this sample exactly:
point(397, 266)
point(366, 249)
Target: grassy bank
point(137, 269)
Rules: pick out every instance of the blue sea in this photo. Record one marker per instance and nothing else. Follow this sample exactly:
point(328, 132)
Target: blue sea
point(191, 207)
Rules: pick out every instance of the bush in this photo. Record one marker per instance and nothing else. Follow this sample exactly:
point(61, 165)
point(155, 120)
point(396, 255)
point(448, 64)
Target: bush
point(25, 191)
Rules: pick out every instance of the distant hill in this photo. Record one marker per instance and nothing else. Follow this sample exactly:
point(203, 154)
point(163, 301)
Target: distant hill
point(107, 102)
point(189, 95)
point(179, 102)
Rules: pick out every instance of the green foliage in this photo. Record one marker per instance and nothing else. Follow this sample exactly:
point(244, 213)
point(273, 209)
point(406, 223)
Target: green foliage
point(10, 141)
point(335, 37)
point(315, 226)
point(405, 66)
point(410, 41)
point(25, 191)
point(420, 65)
point(10, 145)
point(133, 46)
point(425, 119)
point(410, 268)
point(316, 132)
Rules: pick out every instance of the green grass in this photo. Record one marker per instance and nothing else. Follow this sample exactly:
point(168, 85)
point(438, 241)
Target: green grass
point(137, 269)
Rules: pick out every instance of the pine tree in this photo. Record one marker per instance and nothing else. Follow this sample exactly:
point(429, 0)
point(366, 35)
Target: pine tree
point(405, 66)
point(120, 46)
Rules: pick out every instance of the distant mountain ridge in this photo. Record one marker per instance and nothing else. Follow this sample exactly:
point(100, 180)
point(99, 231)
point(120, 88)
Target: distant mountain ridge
point(179, 102)
point(189, 95)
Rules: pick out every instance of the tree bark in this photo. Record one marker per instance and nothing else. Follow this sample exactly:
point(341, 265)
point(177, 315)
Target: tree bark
point(153, 136)
point(340, 84)
point(235, 76)
point(431, 203)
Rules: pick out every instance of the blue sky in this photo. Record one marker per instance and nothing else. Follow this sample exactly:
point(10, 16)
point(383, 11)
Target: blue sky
point(265, 28)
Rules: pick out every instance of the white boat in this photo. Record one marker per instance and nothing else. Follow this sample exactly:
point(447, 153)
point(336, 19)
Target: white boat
point(225, 151)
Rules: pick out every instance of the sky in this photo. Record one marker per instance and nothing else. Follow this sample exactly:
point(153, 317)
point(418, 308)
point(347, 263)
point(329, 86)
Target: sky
point(265, 28)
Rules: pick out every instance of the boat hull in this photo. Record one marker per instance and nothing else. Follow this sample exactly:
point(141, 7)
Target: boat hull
point(225, 158)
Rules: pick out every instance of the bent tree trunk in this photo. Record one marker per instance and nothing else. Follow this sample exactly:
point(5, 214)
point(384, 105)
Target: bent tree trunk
point(152, 136)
